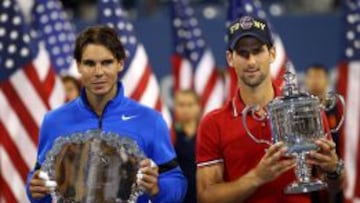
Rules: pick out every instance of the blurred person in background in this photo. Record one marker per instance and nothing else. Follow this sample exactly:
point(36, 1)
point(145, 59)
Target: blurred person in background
point(317, 80)
point(72, 87)
point(187, 112)
point(317, 83)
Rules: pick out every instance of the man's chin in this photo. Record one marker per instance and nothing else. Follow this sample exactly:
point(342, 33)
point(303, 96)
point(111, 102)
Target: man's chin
point(100, 92)
point(253, 83)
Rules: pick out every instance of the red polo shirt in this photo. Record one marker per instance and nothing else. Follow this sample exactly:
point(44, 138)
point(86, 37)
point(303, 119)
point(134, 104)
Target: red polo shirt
point(222, 138)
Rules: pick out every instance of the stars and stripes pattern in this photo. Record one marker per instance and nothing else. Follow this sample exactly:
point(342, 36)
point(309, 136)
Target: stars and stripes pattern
point(193, 62)
point(28, 89)
point(140, 82)
point(348, 85)
point(237, 8)
point(56, 33)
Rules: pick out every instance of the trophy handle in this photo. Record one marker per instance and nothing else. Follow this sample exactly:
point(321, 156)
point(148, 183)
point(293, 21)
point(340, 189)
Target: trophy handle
point(333, 97)
point(253, 110)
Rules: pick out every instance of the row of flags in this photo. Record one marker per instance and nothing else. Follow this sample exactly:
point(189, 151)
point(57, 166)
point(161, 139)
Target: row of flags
point(33, 55)
point(29, 88)
point(194, 65)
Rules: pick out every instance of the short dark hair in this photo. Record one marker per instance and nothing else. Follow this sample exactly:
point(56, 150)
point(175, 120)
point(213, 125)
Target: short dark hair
point(189, 92)
point(317, 66)
point(269, 46)
point(102, 35)
point(68, 78)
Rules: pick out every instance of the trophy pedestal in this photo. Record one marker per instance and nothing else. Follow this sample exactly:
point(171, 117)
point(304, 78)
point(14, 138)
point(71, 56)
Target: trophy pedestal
point(305, 187)
point(304, 182)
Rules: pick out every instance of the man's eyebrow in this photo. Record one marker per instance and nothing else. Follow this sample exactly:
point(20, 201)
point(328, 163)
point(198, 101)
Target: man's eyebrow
point(88, 60)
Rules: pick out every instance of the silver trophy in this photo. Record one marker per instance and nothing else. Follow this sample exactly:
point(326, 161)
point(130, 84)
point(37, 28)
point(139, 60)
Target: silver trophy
point(92, 167)
point(296, 119)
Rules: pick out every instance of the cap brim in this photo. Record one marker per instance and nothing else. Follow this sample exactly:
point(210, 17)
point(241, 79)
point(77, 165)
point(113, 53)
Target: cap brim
point(237, 38)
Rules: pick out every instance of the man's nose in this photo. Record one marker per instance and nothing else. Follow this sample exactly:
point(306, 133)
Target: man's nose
point(251, 59)
point(99, 70)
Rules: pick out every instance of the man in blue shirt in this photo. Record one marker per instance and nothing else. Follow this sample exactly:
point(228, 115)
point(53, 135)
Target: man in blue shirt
point(102, 105)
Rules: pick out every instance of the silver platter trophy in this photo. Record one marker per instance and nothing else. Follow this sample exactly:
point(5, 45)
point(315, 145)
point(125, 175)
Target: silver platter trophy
point(93, 167)
point(296, 119)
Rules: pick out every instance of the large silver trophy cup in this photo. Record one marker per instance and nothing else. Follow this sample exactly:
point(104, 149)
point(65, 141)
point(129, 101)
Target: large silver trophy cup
point(296, 119)
point(93, 167)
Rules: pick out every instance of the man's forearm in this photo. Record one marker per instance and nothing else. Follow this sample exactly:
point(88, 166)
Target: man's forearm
point(235, 191)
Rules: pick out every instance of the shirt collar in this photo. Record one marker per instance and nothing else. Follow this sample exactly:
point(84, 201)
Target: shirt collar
point(116, 100)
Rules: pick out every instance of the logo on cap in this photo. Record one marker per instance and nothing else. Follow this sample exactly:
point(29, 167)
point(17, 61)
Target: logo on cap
point(246, 22)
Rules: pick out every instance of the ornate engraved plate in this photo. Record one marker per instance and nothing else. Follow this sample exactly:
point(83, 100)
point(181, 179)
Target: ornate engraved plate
point(93, 167)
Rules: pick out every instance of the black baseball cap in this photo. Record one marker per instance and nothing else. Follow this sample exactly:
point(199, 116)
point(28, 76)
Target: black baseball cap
point(248, 26)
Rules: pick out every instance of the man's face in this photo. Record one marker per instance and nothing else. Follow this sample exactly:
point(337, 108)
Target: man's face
point(251, 60)
point(316, 81)
point(186, 107)
point(99, 69)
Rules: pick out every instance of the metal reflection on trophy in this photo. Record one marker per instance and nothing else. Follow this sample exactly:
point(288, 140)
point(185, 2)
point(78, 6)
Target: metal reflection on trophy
point(94, 166)
point(296, 119)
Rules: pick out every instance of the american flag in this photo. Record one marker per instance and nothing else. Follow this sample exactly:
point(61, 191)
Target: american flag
point(193, 62)
point(28, 89)
point(237, 8)
point(140, 82)
point(348, 84)
point(57, 34)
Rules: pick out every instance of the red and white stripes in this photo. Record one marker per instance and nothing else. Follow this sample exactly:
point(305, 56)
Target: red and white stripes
point(24, 98)
point(141, 84)
point(208, 83)
point(182, 73)
point(349, 86)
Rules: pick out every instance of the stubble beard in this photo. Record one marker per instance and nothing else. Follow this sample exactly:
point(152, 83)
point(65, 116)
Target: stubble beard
point(253, 82)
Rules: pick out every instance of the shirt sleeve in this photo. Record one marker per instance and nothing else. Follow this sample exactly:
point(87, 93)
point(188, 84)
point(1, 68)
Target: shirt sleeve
point(172, 183)
point(208, 143)
point(162, 148)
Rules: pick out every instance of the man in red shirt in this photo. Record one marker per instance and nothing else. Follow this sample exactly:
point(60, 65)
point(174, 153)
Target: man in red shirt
point(231, 167)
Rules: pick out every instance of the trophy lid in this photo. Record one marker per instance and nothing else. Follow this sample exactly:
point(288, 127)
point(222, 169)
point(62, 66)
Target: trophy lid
point(290, 88)
point(291, 92)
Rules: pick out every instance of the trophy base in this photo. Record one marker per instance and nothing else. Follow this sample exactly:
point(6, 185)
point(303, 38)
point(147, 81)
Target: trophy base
point(305, 187)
